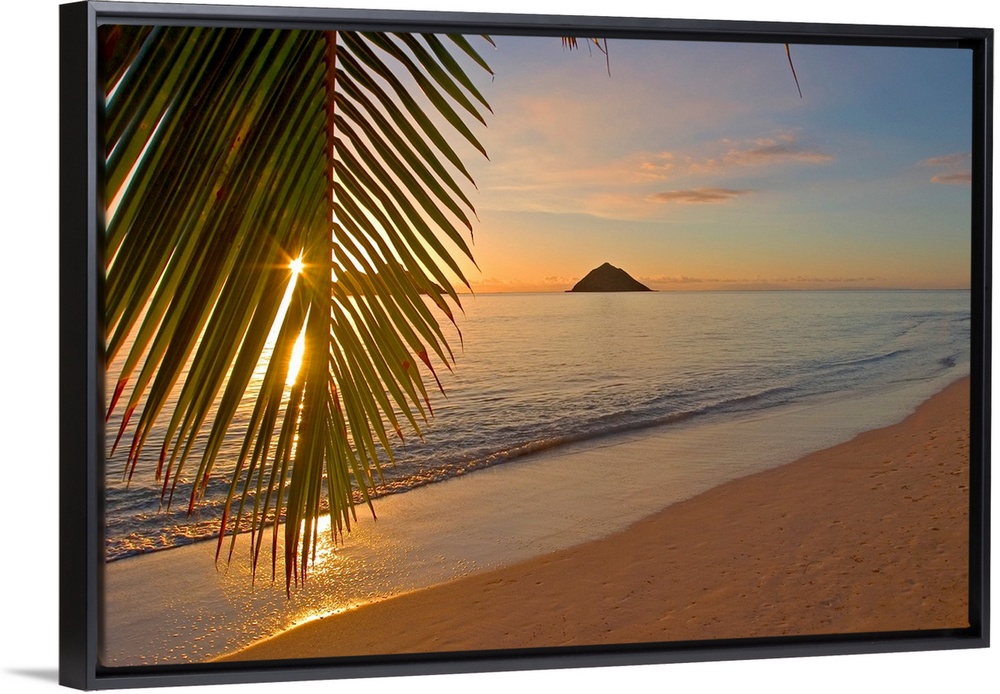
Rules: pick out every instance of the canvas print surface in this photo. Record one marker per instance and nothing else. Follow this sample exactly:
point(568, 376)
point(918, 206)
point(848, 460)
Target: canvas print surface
point(427, 343)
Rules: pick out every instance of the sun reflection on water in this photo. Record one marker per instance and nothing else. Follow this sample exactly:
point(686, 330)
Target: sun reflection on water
point(295, 362)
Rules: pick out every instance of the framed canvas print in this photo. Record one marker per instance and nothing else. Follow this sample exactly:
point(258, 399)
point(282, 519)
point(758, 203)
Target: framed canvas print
point(421, 342)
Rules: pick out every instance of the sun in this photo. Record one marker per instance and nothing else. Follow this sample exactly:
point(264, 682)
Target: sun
point(296, 266)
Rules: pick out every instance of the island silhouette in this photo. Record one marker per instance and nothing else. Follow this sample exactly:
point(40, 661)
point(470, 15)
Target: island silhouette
point(608, 278)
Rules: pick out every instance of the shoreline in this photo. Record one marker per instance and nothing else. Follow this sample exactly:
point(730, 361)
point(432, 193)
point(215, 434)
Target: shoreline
point(881, 545)
point(470, 524)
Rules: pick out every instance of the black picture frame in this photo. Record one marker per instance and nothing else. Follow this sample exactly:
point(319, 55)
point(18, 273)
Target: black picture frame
point(81, 379)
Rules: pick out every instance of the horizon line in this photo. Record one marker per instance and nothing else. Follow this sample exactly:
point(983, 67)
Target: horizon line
point(691, 290)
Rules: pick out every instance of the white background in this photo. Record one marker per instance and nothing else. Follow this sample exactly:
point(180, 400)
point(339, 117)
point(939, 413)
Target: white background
point(29, 385)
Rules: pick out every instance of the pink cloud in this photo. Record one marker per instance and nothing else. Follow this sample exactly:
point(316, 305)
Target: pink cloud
point(954, 179)
point(698, 195)
point(782, 148)
point(658, 166)
point(954, 169)
point(959, 159)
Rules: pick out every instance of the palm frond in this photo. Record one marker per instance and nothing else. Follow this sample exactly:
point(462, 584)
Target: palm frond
point(572, 43)
point(230, 153)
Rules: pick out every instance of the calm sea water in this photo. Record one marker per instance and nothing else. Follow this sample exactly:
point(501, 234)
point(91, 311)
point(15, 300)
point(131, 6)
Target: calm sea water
point(542, 370)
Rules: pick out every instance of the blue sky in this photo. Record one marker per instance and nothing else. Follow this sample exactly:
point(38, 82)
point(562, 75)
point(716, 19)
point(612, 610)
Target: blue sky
point(697, 165)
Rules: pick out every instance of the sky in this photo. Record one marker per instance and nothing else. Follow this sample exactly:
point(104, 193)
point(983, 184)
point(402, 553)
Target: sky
point(698, 166)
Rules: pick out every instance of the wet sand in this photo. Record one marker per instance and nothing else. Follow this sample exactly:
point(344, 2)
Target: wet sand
point(869, 535)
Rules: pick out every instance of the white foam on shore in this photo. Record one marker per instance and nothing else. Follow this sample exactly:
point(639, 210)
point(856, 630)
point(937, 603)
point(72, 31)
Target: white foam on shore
point(176, 606)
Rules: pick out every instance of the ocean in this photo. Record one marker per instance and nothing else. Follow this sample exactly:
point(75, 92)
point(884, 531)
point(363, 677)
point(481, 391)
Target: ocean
point(538, 372)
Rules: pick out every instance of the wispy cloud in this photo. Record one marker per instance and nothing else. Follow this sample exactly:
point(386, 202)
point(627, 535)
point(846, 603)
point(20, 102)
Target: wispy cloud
point(697, 196)
point(657, 166)
point(552, 283)
point(958, 159)
point(729, 156)
point(685, 279)
point(953, 179)
point(686, 282)
point(952, 169)
point(675, 279)
point(777, 149)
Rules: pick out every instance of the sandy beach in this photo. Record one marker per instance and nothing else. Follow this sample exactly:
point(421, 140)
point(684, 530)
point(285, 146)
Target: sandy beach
point(868, 535)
